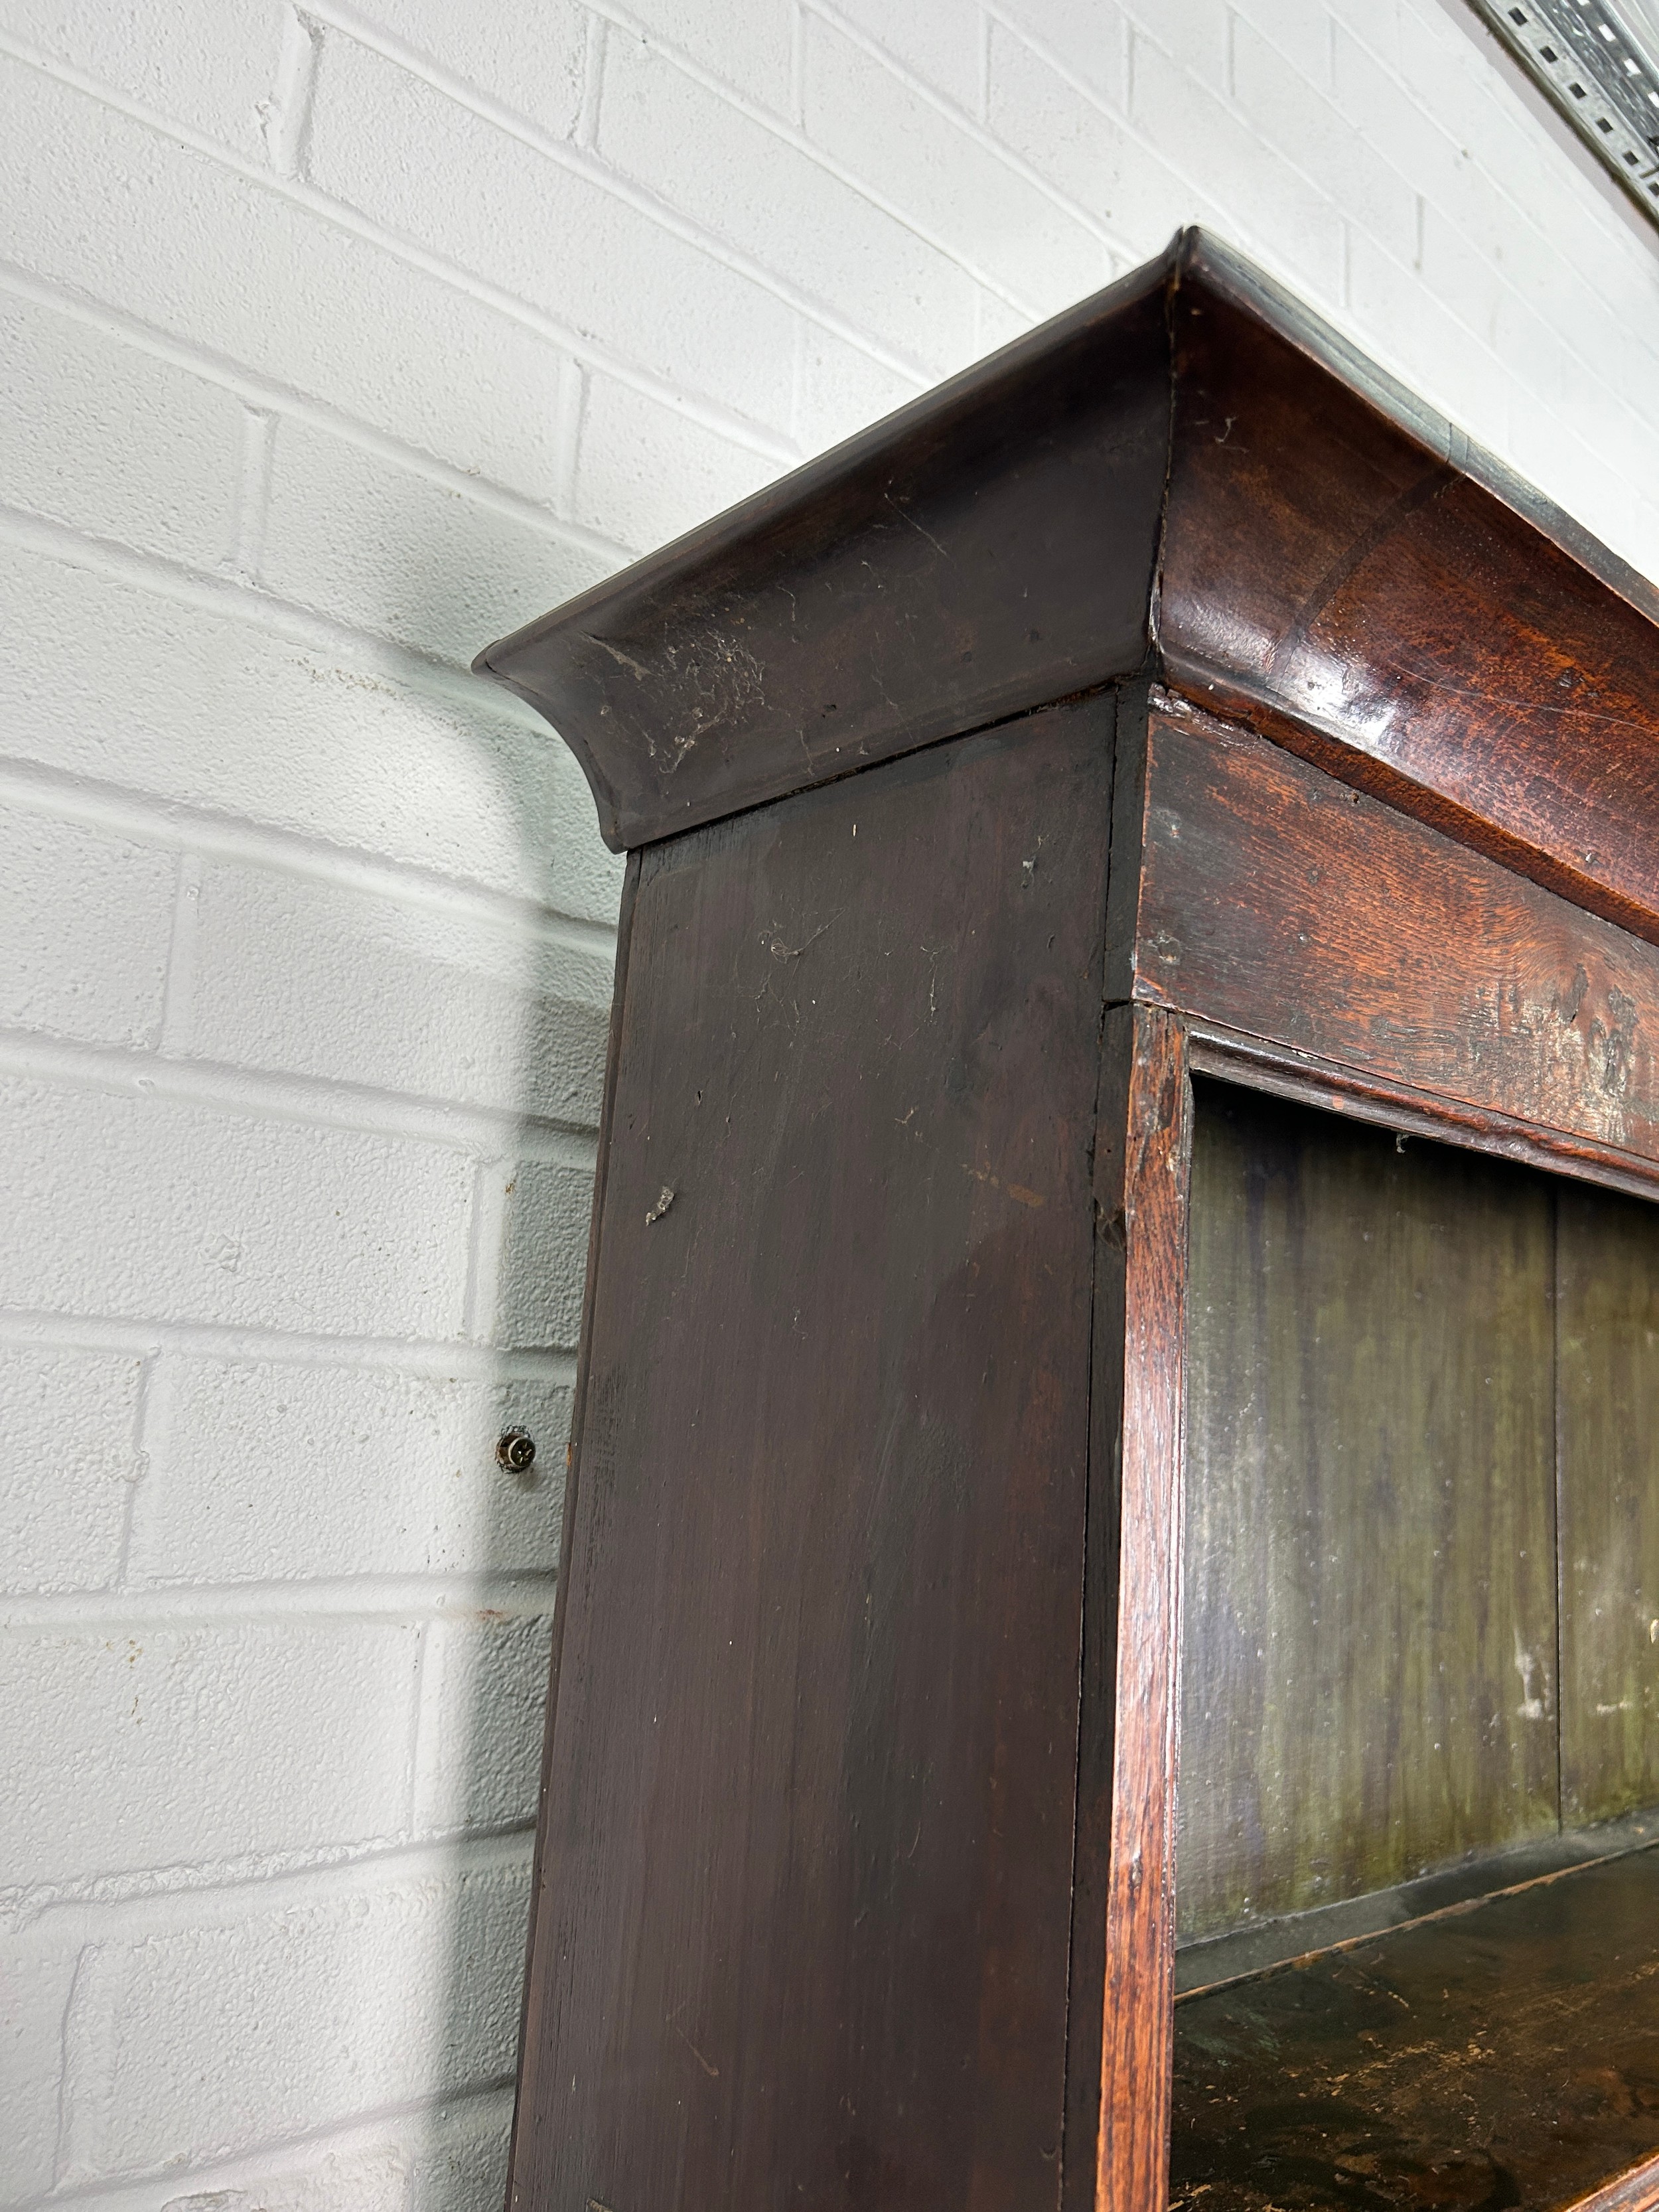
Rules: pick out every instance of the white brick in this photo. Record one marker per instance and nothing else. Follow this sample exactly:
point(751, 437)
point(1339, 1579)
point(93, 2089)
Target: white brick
point(1000, 324)
point(265, 1472)
point(1133, 190)
point(1192, 34)
point(209, 67)
point(483, 1693)
point(164, 1210)
point(70, 1420)
point(132, 218)
point(36, 1975)
point(362, 1992)
point(745, 43)
point(1377, 21)
point(94, 673)
point(104, 437)
point(314, 1720)
point(297, 975)
point(538, 1289)
point(387, 550)
point(644, 472)
point(372, 2180)
point(1408, 328)
point(428, 168)
point(1046, 120)
point(1300, 31)
point(941, 41)
point(841, 389)
point(462, 2164)
point(530, 55)
point(973, 201)
point(85, 923)
point(780, 206)
point(1286, 109)
point(1201, 138)
point(1087, 38)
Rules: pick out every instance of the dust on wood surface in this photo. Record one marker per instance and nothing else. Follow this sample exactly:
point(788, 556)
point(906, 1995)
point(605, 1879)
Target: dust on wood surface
point(1507, 2055)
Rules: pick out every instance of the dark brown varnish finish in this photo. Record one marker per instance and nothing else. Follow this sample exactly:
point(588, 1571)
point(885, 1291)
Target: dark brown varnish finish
point(1200, 701)
point(1387, 594)
point(987, 549)
point(1370, 1348)
point(806, 1887)
point(1286, 905)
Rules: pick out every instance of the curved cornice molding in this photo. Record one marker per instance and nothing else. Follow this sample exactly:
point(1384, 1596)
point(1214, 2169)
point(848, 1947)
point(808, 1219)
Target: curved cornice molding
point(1186, 477)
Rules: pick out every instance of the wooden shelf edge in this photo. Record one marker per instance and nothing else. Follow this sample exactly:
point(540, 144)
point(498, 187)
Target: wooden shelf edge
point(1635, 2190)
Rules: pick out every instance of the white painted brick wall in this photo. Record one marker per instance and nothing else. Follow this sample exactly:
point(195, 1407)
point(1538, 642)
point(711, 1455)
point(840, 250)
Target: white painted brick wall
point(335, 343)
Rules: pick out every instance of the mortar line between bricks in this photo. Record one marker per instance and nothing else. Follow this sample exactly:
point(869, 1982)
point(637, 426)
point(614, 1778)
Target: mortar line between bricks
point(148, 1898)
point(149, 1415)
point(229, 601)
point(496, 298)
point(1052, 59)
point(68, 796)
point(253, 2171)
point(443, 1360)
point(792, 132)
point(314, 1102)
point(734, 426)
point(963, 119)
point(795, 135)
point(1630, 238)
point(146, 1607)
point(271, 395)
point(579, 161)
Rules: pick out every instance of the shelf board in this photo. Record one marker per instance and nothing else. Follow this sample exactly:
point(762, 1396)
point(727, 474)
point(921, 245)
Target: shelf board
point(1501, 2050)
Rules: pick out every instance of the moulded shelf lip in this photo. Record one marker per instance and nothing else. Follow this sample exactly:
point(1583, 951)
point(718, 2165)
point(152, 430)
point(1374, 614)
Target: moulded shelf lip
point(1245, 1955)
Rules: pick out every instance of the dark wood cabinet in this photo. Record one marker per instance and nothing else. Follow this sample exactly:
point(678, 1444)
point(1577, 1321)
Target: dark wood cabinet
point(1109, 1636)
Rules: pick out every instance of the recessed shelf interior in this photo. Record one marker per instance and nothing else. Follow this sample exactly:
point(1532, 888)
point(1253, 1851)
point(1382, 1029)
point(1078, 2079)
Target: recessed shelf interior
point(1417, 1882)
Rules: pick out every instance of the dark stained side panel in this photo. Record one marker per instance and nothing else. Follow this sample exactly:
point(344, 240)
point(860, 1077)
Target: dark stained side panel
point(1369, 1638)
point(802, 1940)
point(1609, 1369)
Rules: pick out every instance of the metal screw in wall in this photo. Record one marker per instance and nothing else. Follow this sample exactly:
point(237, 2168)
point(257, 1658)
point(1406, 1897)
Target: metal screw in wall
point(516, 1450)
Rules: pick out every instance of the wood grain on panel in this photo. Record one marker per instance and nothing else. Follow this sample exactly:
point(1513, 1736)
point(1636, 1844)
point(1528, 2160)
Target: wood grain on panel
point(1124, 1971)
point(1369, 1636)
point(802, 1934)
point(1608, 1315)
point(1284, 904)
point(1506, 2056)
point(1413, 616)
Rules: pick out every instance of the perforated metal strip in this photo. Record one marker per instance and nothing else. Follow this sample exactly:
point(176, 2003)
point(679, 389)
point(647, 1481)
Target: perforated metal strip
point(1601, 72)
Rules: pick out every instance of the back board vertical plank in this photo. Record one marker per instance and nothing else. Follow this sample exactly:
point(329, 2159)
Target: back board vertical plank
point(1369, 1660)
point(1608, 1318)
point(803, 1926)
